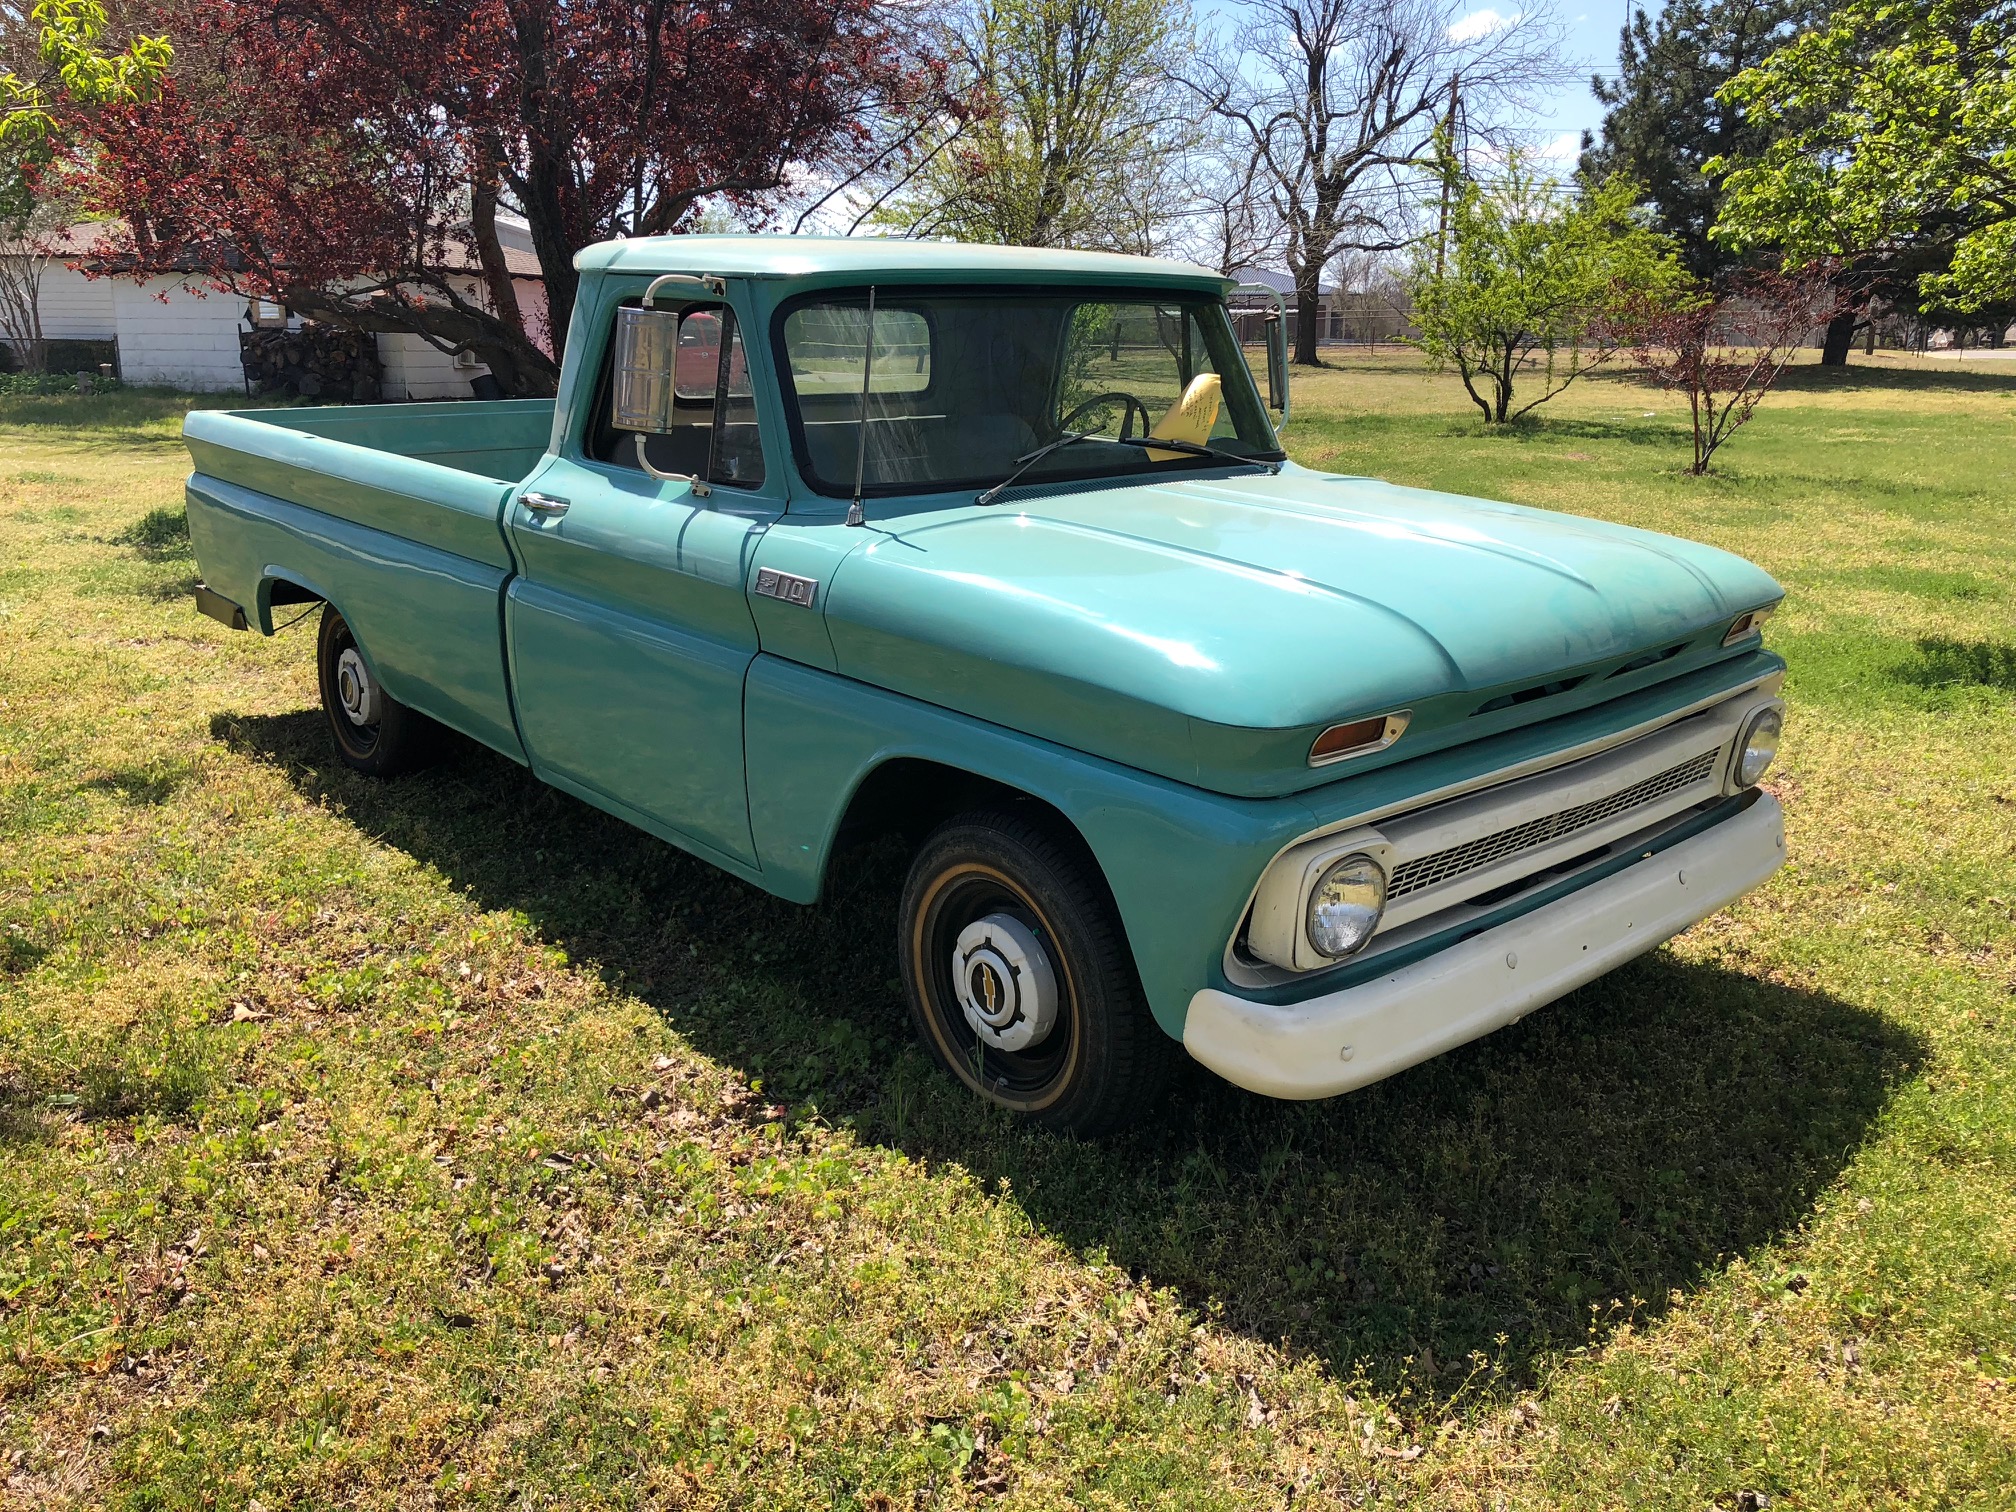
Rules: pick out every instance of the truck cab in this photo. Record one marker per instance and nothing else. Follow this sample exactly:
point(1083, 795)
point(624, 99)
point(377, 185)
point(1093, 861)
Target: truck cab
point(1308, 774)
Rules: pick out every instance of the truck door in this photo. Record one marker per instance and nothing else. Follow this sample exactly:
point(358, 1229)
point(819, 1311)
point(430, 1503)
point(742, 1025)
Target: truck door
point(627, 628)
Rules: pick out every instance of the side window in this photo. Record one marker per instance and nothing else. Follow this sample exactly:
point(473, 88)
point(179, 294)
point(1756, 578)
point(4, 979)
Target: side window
point(704, 379)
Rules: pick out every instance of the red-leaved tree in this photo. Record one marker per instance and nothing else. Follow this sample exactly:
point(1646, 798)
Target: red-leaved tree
point(350, 157)
point(1724, 351)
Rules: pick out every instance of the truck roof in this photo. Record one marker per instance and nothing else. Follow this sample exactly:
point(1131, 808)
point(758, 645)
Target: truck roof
point(924, 261)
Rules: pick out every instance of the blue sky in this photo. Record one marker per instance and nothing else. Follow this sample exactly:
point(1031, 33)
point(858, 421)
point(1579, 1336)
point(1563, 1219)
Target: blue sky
point(1592, 40)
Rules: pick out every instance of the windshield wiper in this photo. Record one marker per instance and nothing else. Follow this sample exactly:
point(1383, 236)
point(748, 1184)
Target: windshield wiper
point(1026, 461)
point(1192, 449)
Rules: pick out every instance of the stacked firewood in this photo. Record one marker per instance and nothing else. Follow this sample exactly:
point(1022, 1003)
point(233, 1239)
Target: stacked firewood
point(312, 361)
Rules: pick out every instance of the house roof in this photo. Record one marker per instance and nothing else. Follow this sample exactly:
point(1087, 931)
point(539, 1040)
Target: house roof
point(1280, 283)
point(81, 241)
point(867, 256)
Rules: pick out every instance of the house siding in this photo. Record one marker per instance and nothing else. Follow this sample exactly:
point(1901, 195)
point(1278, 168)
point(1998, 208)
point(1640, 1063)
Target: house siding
point(171, 336)
point(414, 370)
point(187, 339)
point(76, 308)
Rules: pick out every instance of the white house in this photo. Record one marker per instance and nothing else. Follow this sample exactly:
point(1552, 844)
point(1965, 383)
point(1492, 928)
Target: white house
point(169, 334)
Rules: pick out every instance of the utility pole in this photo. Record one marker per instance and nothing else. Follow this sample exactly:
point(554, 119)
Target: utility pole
point(1448, 154)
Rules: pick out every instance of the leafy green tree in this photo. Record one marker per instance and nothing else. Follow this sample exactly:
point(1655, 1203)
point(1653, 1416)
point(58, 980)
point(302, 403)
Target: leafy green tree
point(1074, 131)
point(1664, 120)
point(1529, 283)
point(72, 69)
point(1900, 135)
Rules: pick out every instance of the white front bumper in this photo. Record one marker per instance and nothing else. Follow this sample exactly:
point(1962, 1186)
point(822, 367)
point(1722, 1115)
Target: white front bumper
point(1347, 1039)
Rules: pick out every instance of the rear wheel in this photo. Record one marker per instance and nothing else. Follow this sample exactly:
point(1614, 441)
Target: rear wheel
point(1019, 977)
point(374, 732)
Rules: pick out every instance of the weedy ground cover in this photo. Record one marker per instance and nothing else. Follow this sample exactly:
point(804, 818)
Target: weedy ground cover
point(444, 1143)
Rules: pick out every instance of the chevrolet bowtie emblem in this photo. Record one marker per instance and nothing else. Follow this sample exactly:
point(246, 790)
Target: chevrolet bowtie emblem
point(789, 587)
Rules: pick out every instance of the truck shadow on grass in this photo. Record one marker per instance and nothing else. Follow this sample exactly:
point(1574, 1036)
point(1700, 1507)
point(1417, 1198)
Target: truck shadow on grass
point(1517, 1198)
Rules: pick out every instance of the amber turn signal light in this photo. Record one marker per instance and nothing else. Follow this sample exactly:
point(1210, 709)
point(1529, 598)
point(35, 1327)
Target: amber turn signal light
point(1747, 624)
point(1358, 737)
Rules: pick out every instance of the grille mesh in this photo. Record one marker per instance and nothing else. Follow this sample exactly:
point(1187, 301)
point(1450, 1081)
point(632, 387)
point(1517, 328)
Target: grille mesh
point(1489, 850)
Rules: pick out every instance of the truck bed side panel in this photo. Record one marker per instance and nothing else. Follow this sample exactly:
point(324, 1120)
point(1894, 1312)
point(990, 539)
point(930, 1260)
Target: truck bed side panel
point(444, 508)
point(427, 619)
point(496, 438)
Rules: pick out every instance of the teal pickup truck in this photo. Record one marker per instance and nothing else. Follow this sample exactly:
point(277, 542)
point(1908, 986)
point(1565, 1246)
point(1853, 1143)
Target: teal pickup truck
point(997, 550)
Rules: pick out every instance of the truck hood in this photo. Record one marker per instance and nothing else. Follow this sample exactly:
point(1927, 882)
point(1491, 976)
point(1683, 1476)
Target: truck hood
point(1104, 618)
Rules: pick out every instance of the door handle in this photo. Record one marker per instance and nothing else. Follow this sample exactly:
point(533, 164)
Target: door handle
point(546, 506)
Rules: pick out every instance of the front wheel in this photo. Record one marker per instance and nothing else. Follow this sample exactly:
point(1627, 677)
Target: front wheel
point(375, 733)
point(1019, 977)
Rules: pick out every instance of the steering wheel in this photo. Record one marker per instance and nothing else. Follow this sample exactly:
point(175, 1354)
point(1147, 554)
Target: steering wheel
point(1129, 405)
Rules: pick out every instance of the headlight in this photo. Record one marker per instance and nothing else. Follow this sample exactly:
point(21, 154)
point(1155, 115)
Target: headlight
point(1757, 746)
point(1345, 905)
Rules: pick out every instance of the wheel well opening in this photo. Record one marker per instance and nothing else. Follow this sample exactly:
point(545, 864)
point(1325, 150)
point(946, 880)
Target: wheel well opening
point(280, 590)
point(909, 797)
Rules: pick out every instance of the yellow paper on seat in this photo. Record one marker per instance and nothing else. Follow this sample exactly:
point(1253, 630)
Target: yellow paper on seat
point(1189, 418)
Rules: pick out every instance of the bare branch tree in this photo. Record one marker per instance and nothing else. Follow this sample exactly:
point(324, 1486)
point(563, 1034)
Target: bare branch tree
point(24, 258)
point(1341, 100)
point(1230, 223)
point(1725, 350)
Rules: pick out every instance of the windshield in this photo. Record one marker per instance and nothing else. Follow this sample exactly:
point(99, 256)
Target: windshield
point(963, 386)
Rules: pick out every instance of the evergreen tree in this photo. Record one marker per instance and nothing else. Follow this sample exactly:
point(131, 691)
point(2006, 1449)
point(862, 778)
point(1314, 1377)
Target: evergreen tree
point(1664, 122)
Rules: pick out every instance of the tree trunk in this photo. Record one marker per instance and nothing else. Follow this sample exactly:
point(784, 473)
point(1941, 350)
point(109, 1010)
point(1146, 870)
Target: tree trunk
point(556, 263)
point(489, 250)
point(1840, 337)
point(542, 190)
point(1306, 300)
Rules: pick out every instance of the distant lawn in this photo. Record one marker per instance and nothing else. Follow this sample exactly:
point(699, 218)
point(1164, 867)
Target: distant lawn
point(446, 1143)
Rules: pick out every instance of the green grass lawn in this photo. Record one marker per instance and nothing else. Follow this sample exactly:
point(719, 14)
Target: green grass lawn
point(445, 1143)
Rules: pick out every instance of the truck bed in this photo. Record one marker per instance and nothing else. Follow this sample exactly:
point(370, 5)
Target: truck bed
point(498, 439)
point(391, 512)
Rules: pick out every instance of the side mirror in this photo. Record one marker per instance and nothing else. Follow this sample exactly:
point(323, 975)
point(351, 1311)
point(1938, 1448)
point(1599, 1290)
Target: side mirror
point(1276, 324)
point(647, 353)
point(1277, 363)
point(644, 387)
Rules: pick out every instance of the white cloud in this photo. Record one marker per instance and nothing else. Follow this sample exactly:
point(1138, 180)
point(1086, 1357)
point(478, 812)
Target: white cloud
point(1479, 24)
point(1563, 149)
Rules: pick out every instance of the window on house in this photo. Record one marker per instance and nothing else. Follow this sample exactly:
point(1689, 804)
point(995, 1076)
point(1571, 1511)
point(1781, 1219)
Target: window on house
point(267, 313)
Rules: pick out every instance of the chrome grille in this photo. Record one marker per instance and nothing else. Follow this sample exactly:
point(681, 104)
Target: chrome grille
point(1489, 850)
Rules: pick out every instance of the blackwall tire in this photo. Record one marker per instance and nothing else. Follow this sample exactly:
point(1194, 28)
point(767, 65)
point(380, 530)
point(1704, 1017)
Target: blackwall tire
point(373, 732)
point(1104, 1062)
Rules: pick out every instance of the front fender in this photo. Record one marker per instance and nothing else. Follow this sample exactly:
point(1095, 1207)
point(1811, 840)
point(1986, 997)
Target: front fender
point(1180, 861)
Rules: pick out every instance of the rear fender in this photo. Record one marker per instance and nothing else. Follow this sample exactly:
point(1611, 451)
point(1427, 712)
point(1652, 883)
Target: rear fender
point(428, 621)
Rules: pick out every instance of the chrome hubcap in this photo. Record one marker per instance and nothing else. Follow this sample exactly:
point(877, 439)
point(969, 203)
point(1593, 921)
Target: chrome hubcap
point(1006, 985)
point(355, 690)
